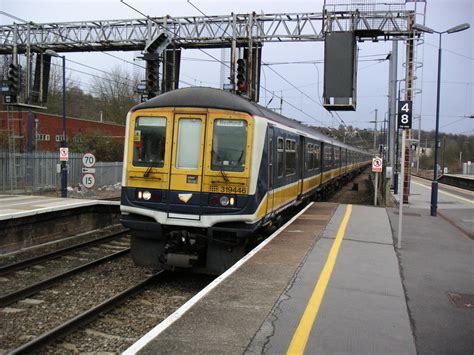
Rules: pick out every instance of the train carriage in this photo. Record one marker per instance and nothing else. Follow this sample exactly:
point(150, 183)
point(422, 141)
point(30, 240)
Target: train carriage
point(204, 169)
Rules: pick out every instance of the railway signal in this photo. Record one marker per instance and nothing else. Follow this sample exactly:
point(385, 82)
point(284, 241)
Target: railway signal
point(14, 78)
point(152, 77)
point(241, 76)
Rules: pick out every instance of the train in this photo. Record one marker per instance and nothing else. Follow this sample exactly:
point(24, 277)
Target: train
point(205, 169)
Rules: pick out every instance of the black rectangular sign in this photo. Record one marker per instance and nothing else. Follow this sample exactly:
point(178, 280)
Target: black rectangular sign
point(404, 117)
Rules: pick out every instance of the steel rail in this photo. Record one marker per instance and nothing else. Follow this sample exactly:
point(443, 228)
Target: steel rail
point(14, 296)
point(83, 318)
point(6, 269)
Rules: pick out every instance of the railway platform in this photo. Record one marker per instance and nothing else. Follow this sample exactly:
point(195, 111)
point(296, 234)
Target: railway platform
point(332, 281)
point(329, 282)
point(18, 206)
point(28, 221)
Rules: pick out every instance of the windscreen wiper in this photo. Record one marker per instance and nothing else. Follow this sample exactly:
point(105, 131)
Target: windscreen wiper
point(226, 179)
point(147, 172)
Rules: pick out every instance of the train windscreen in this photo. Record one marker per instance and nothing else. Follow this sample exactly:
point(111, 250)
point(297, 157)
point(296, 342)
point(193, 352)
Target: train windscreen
point(229, 144)
point(149, 141)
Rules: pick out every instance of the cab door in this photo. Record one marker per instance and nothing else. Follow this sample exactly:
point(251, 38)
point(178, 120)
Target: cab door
point(187, 156)
point(184, 195)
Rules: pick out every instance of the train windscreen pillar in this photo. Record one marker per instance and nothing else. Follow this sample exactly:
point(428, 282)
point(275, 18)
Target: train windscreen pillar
point(340, 71)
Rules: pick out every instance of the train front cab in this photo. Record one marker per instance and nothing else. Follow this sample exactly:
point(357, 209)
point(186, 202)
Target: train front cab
point(187, 190)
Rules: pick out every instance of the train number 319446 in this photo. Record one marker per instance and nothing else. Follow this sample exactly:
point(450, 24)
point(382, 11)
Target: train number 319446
point(228, 189)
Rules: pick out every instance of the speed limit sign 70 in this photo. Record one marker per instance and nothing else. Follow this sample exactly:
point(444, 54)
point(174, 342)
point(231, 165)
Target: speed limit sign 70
point(88, 160)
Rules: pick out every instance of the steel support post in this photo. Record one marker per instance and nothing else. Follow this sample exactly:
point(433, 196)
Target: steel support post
point(392, 133)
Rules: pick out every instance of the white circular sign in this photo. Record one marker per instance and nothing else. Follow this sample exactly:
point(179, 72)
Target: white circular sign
point(88, 160)
point(88, 180)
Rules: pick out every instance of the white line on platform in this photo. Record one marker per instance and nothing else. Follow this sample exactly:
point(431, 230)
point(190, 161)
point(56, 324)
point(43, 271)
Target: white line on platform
point(444, 192)
point(185, 307)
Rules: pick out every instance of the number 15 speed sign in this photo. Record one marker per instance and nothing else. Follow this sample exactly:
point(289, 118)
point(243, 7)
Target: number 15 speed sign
point(404, 114)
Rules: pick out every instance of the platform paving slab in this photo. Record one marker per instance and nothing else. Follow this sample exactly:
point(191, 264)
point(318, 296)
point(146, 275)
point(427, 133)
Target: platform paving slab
point(364, 309)
point(436, 259)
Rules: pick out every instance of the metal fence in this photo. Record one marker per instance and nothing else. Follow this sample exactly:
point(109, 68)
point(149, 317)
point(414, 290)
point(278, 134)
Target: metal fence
point(468, 168)
point(38, 172)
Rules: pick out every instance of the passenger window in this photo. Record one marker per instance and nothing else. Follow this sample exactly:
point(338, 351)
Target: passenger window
point(327, 156)
point(310, 158)
point(290, 167)
point(317, 156)
point(280, 157)
point(149, 141)
point(337, 155)
point(229, 145)
point(189, 143)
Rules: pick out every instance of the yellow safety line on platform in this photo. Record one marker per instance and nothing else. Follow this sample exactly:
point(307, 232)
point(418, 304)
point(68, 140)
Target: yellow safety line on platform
point(300, 338)
point(444, 192)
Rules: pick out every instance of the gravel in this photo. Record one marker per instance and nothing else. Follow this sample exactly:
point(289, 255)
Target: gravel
point(364, 195)
point(117, 330)
point(42, 249)
point(31, 275)
point(49, 308)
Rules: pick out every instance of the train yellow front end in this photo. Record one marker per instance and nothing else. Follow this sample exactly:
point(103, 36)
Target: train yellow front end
point(204, 169)
point(187, 195)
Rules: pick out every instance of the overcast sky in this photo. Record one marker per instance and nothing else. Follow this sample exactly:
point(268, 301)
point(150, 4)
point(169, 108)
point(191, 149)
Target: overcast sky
point(457, 90)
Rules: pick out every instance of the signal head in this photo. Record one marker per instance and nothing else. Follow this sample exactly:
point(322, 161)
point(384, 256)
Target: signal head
point(14, 77)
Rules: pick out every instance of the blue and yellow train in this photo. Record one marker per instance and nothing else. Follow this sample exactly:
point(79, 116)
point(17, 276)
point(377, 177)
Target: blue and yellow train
point(204, 169)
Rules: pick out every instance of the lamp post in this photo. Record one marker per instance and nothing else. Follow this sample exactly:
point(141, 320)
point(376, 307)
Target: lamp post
point(434, 183)
point(64, 142)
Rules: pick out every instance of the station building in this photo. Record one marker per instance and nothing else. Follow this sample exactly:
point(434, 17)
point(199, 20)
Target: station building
point(47, 130)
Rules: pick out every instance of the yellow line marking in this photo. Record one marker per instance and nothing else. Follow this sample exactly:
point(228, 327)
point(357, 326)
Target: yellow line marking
point(444, 192)
point(300, 338)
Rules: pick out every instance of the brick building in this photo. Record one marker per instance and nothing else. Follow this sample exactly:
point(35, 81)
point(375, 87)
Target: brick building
point(47, 130)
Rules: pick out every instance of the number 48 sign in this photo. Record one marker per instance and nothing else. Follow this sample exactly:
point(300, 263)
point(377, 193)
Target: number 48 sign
point(404, 114)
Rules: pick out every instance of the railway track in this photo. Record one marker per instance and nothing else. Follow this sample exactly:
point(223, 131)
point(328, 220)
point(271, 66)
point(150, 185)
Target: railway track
point(27, 277)
point(44, 298)
point(6, 269)
point(113, 297)
point(30, 290)
point(67, 300)
point(83, 318)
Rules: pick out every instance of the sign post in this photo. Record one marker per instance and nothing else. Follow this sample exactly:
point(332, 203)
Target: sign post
point(64, 158)
point(88, 170)
point(377, 167)
point(404, 121)
point(400, 209)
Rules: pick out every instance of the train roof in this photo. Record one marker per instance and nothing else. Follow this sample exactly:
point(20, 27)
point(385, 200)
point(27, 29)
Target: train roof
point(204, 97)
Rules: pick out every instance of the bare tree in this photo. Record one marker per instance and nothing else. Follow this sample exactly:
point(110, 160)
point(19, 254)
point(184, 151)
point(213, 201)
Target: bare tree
point(116, 90)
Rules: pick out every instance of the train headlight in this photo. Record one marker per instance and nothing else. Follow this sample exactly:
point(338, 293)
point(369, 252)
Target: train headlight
point(224, 200)
point(146, 195)
point(232, 201)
